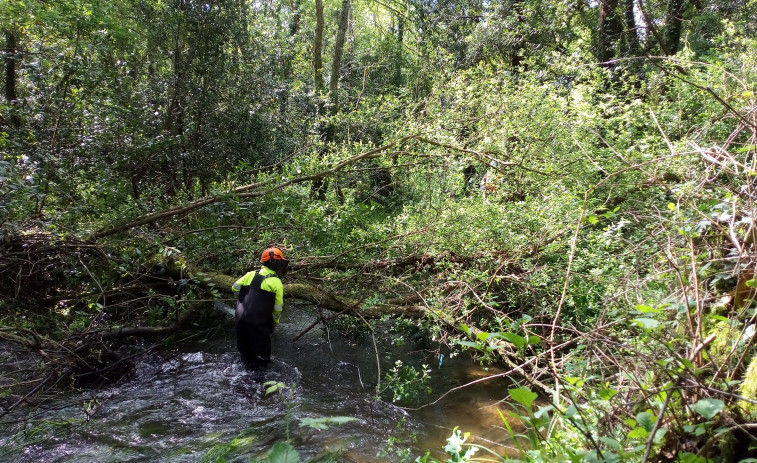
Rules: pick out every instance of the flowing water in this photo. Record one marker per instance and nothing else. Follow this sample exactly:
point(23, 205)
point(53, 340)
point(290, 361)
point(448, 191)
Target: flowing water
point(196, 402)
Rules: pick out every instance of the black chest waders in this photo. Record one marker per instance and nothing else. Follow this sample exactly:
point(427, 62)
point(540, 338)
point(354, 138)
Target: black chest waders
point(254, 323)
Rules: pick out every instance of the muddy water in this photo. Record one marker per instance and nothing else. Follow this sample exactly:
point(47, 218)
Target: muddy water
point(196, 402)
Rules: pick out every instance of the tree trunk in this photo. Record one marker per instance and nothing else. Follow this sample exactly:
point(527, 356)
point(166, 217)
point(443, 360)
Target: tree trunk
point(398, 57)
point(650, 23)
point(674, 25)
point(631, 33)
point(610, 29)
point(318, 54)
point(294, 28)
point(336, 64)
point(320, 185)
point(302, 291)
point(317, 189)
point(515, 7)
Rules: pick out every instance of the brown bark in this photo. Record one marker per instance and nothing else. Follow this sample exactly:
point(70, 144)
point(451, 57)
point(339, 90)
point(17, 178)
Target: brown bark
point(318, 51)
point(652, 28)
point(318, 189)
point(336, 64)
point(24, 337)
point(184, 321)
point(610, 29)
point(320, 185)
point(674, 25)
point(302, 291)
point(632, 34)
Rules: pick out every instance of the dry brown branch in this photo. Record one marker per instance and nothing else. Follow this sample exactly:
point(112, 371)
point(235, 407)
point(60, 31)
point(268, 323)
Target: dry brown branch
point(36, 342)
point(665, 404)
point(44, 382)
point(319, 320)
point(182, 322)
point(302, 291)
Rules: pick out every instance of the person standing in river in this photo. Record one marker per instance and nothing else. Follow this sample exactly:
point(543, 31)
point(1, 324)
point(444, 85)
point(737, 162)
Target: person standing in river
point(260, 300)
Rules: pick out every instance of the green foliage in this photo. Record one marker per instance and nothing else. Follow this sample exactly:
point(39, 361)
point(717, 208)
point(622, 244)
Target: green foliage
point(708, 408)
point(219, 452)
point(281, 452)
point(523, 396)
point(18, 191)
point(408, 385)
point(288, 393)
point(398, 445)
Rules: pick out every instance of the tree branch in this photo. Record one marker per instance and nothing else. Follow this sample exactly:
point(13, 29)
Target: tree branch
point(247, 191)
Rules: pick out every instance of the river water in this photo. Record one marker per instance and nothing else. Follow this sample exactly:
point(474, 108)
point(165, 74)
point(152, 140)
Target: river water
point(195, 402)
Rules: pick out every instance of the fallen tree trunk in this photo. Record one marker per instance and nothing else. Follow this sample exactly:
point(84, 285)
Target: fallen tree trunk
point(183, 322)
point(308, 292)
point(31, 341)
point(406, 306)
point(302, 291)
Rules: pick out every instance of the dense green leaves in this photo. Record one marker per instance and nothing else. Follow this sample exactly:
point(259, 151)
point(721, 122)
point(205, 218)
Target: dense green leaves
point(281, 452)
point(523, 396)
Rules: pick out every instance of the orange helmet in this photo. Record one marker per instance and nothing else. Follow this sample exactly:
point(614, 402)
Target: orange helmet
point(272, 254)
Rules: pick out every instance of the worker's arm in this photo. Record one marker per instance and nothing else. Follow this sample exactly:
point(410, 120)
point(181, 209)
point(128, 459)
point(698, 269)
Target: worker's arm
point(244, 281)
point(274, 285)
point(277, 309)
point(279, 304)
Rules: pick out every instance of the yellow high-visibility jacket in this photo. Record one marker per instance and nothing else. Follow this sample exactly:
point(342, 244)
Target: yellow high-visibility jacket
point(271, 284)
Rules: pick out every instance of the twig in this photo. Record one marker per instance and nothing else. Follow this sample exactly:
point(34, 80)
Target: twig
point(712, 92)
point(375, 350)
point(251, 190)
point(26, 396)
point(664, 407)
point(482, 156)
point(320, 319)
